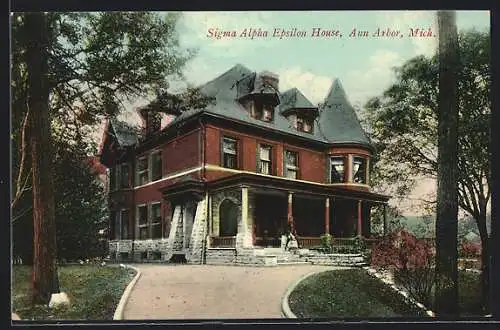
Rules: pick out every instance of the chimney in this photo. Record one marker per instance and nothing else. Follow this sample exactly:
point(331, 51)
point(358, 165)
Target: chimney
point(270, 78)
point(151, 121)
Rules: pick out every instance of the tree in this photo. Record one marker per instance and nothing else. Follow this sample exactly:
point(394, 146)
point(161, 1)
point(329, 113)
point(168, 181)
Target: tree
point(403, 125)
point(69, 71)
point(446, 299)
point(44, 268)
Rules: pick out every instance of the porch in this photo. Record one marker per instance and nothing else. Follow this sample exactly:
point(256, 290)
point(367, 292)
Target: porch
point(258, 217)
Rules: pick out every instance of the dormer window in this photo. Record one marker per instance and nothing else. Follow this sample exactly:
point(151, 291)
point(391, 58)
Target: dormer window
point(262, 112)
point(267, 113)
point(303, 124)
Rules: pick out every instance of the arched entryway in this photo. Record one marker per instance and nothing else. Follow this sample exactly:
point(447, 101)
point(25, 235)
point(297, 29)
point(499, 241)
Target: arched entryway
point(228, 215)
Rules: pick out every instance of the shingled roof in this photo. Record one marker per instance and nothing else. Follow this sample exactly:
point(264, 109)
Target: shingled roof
point(337, 122)
point(125, 134)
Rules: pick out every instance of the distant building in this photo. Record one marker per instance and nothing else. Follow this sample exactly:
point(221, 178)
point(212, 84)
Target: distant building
point(230, 178)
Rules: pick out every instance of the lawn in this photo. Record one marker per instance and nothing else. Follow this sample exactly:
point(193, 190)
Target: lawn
point(345, 294)
point(94, 292)
point(354, 293)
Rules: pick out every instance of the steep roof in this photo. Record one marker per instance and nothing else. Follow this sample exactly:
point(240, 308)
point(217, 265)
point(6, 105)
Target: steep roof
point(294, 99)
point(125, 134)
point(338, 121)
point(332, 126)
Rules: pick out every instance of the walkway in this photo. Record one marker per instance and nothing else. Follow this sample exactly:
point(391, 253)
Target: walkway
point(211, 292)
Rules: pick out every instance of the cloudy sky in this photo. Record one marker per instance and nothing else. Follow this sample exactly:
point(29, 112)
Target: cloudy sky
point(363, 64)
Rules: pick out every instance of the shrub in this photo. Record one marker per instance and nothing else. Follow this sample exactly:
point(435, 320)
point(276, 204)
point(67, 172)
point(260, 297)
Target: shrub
point(411, 261)
point(327, 242)
point(469, 250)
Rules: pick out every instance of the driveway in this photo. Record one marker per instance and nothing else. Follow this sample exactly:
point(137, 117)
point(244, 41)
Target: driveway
point(211, 292)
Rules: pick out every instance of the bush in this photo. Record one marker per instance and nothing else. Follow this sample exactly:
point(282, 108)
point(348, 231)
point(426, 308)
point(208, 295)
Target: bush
point(327, 242)
point(411, 261)
point(469, 250)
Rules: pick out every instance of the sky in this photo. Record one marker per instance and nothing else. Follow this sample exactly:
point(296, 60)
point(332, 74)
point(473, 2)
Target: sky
point(310, 63)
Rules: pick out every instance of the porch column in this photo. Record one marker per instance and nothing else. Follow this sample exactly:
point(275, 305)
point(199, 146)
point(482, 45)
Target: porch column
point(359, 229)
point(385, 220)
point(327, 215)
point(246, 233)
point(290, 211)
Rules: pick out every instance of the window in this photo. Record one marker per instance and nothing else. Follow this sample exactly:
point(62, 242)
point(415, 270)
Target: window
point(359, 169)
point(125, 220)
point(112, 225)
point(229, 154)
point(303, 125)
point(263, 112)
point(156, 220)
point(124, 176)
point(337, 169)
point(156, 165)
point(142, 220)
point(291, 164)
point(112, 178)
point(142, 171)
point(265, 165)
point(267, 113)
point(116, 219)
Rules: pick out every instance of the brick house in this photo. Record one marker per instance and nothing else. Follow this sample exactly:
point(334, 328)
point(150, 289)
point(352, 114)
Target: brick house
point(228, 179)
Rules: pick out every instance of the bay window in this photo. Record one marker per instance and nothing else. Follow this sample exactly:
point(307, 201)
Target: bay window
point(337, 169)
point(359, 169)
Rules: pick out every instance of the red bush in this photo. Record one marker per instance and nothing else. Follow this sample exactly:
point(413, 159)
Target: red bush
point(470, 250)
point(401, 250)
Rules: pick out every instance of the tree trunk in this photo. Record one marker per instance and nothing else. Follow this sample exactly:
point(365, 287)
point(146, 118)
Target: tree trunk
point(44, 245)
point(446, 300)
point(485, 261)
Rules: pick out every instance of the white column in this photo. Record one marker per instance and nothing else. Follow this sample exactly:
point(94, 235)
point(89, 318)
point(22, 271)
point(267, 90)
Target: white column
point(246, 234)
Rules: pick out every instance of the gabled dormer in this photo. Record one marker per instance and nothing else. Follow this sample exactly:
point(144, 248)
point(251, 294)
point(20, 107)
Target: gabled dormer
point(259, 95)
point(151, 121)
point(299, 111)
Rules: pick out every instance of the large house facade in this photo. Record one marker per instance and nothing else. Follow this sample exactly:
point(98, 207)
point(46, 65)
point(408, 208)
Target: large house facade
point(228, 179)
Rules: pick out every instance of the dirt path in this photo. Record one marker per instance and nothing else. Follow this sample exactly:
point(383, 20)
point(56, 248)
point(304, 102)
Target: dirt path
point(211, 292)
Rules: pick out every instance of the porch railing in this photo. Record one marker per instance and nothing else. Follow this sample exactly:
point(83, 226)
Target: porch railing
point(268, 241)
point(306, 242)
point(223, 241)
point(339, 244)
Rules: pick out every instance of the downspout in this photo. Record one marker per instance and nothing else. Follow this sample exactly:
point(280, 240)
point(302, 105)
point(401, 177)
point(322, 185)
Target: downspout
point(203, 148)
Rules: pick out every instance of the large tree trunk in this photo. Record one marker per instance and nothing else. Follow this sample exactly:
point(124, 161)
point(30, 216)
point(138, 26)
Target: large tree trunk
point(45, 280)
point(485, 261)
point(446, 300)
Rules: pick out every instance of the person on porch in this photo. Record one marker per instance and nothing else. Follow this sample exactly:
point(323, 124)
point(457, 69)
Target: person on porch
point(290, 235)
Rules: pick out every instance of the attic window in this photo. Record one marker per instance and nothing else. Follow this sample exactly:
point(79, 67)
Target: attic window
point(303, 125)
point(262, 112)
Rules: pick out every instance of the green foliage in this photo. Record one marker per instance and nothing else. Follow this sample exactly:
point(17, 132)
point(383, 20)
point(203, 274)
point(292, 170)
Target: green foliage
point(347, 293)
point(326, 242)
point(403, 124)
point(94, 293)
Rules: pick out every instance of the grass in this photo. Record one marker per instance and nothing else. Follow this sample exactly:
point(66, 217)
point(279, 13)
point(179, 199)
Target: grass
point(345, 294)
point(354, 293)
point(93, 291)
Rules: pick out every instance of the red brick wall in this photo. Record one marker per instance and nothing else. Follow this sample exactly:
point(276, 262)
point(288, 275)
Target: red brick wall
point(311, 163)
point(182, 153)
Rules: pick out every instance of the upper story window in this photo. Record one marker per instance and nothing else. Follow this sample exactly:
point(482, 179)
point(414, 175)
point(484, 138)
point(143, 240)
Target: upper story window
point(359, 169)
point(156, 165)
point(303, 125)
point(156, 220)
point(262, 111)
point(124, 176)
point(337, 169)
point(112, 178)
point(291, 164)
point(265, 163)
point(142, 171)
point(229, 153)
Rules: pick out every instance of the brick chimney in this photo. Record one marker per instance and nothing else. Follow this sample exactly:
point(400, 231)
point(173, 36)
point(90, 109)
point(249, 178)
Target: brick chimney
point(151, 121)
point(270, 78)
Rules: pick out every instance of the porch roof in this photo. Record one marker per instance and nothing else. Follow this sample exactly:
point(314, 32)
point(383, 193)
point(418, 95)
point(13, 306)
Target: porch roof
point(297, 186)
